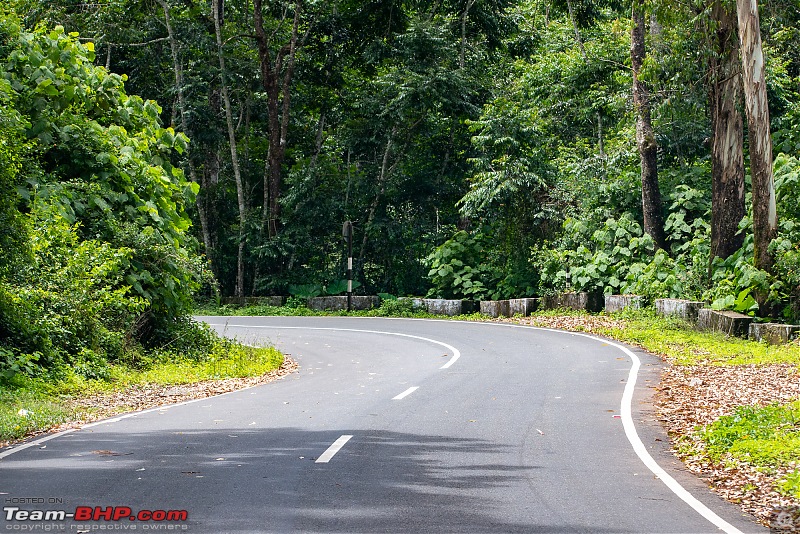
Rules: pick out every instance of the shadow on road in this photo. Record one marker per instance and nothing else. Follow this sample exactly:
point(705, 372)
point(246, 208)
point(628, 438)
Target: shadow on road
point(266, 480)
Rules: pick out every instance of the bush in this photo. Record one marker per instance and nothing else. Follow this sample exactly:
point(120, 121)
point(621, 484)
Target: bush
point(394, 307)
point(458, 271)
point(69, 305)
point(596, 260)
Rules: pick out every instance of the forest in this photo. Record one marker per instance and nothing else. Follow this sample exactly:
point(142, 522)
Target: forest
point(158, 151)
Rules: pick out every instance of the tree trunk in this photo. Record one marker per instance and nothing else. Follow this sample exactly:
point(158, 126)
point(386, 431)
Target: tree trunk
point(765, 215)
point(386, 170)
point(577, 31)
point(463, 52)
point(278, 107)
point(727, 157)
point(600, 144)
point(217, 11)
point(645, 137)
point(176, 65)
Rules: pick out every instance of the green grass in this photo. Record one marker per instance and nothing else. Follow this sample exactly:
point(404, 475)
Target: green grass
point(677, 340)
point(765, 437)
point(762, 436)
point(33, 405)
point(27, 411)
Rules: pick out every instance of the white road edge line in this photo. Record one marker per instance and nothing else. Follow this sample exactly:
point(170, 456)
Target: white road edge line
point(641, 450)
point(406, 393)
point(23, 446)
point(333, 449)
point(451, 361)
point(30, 444)
point(625, 413)
point(635, 440)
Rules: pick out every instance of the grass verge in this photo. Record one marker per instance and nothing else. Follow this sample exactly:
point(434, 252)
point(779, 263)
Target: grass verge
point(669, 337)
point(32, 405)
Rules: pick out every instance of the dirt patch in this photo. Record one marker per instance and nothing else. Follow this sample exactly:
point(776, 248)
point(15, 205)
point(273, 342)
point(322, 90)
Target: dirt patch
point(574, 323)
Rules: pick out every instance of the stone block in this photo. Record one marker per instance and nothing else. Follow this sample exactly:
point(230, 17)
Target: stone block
point(446, 306)
point(728, 322)
point(685, 309)
point(495, 308)
point(339, 303)
point(583, 300)
point(616, 303)
point(523, 307)
point(774, 333)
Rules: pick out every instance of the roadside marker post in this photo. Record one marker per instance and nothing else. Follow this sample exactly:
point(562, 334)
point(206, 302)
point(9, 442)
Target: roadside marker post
point(347, 234)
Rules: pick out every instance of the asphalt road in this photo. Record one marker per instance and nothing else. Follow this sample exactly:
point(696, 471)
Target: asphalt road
point(390, 426)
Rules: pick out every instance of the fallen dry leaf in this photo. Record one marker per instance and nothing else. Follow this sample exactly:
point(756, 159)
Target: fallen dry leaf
point(693, 396)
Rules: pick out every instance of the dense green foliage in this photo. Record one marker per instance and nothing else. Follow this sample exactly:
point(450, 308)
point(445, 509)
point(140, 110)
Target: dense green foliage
point(96, 255)
point(482, 149)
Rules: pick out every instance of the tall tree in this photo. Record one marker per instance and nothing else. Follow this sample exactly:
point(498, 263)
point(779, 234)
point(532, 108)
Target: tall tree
point(277, 73)
point(765, 214)
point(182, 109)
point(216, 8)
point(727, 154)
point(645, 136)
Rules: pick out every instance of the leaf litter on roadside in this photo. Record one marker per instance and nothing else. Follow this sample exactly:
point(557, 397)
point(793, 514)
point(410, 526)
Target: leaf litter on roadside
point(146, 396)
point(691, 397)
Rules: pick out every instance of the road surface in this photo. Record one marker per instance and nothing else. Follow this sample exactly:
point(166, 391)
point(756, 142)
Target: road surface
point(391, 425)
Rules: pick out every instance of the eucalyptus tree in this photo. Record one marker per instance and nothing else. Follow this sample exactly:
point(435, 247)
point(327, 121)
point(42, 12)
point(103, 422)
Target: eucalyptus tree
point(727, 148)
point(765, 214)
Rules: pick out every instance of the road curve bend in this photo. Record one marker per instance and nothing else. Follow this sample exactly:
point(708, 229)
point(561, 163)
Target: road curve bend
point(392, 425)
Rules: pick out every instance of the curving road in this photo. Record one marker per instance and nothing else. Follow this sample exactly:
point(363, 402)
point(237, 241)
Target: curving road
point(391, 425)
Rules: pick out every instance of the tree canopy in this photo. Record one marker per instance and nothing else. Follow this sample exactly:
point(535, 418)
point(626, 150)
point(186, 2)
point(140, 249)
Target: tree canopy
point(482, 149)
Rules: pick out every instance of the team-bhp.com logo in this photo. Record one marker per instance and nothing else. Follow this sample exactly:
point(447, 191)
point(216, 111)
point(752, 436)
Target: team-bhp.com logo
point(89, 514)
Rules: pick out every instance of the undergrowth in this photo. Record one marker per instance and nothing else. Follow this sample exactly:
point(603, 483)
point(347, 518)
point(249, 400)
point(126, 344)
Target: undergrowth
point(765, 437)
point(193, 353)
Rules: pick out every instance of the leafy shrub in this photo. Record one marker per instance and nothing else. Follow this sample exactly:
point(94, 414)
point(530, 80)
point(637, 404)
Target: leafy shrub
point(338, 287)
point(600, 259)
point(305, 291)
point(396, 308)
point(617, 257)
point(458, 270)
point(294, 302)
point(100, 159)
point(786, 247)
point(70, 305)
point(184, 338)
